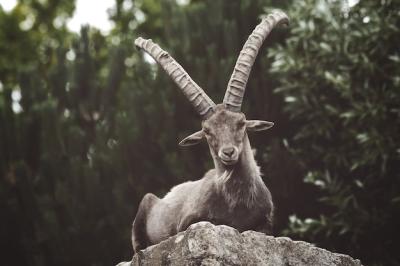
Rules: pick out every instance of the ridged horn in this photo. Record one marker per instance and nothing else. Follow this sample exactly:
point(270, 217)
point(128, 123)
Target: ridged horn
point(199, 99)
point(237, 84)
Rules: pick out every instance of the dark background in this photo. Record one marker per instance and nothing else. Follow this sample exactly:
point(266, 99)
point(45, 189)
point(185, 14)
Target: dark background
point(98, 126)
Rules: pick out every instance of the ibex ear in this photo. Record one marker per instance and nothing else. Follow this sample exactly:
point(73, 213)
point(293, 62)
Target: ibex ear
point(258, 125)
point(192, 139)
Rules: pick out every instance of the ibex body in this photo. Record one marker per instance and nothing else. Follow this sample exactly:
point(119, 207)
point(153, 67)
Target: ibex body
point(233, 193)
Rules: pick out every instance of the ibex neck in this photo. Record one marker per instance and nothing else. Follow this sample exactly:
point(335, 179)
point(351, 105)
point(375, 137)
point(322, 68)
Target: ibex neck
point(238, 184)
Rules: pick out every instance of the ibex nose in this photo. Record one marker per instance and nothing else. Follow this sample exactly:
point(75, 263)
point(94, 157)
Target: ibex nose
point(228, 151)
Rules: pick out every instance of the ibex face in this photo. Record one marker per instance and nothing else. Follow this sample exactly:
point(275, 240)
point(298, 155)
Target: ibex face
point(225, 131)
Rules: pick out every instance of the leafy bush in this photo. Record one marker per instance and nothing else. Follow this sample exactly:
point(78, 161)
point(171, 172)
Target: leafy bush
point(339, 74)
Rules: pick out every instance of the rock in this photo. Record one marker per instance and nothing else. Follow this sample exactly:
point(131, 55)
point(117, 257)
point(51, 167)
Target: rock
point(206, 244)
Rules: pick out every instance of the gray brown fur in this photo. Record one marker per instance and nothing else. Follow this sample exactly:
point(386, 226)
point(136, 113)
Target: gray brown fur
point(233, 195)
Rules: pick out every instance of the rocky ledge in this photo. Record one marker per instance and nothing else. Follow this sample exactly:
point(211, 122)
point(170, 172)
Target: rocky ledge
point(206, 244)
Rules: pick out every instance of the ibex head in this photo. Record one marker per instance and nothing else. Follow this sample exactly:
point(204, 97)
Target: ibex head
point(225, 131)
point(224, 126)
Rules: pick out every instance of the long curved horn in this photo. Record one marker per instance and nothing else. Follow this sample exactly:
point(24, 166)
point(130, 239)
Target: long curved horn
point(199, 99)
point(237, 84)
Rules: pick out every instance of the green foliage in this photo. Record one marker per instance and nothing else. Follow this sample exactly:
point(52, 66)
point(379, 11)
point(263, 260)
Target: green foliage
point(339, 76)
point(61, 172)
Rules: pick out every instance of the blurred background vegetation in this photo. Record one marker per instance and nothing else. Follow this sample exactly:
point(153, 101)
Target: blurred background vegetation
point(88, 126)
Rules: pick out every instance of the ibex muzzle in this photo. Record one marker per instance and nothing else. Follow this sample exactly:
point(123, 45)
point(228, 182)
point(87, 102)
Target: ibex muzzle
point(233, 193)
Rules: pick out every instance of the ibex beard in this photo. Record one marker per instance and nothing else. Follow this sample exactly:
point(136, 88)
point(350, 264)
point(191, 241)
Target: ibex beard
point(233, 193)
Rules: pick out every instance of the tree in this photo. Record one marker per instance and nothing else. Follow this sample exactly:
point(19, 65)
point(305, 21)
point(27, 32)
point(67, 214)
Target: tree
point(339, 76)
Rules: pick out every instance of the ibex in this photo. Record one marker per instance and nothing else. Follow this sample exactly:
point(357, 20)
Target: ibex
point(231, 194)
